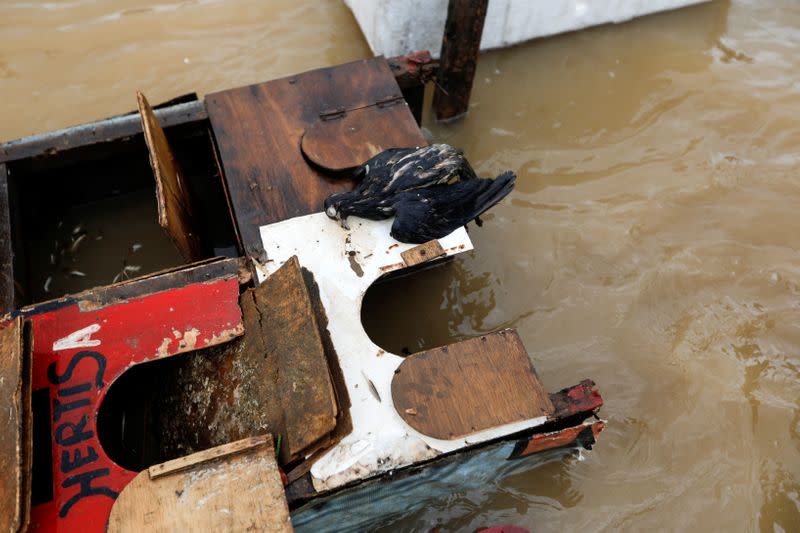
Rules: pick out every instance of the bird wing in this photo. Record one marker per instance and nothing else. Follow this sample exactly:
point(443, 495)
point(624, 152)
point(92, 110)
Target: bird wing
point(434, 212)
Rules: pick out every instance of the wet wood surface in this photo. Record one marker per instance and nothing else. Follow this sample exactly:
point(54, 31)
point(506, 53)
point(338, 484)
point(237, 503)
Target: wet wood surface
point(259, 129)
point(15, 438)
point(347, 141)
point(235, 487)
point(469, 386)
point(172, 278)
point(275, 378)
point(175, 211)
point(6, 253)
point(459, 57)
point(426, 251)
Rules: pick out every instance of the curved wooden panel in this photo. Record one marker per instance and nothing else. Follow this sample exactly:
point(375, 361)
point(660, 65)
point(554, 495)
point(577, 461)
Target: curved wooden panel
point(348, 141)
point(470, 386)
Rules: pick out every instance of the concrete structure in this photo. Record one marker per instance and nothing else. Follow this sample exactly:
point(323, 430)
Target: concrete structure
point(395, 27)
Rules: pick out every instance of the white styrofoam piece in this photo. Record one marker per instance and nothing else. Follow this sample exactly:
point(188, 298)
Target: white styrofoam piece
point(396, 27)
point(345, 263)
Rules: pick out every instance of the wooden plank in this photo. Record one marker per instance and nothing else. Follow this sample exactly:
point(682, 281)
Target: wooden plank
point(15, 439)
point(6, 253)
point(175, 211)
point(427, 251)
point(202, 271)
point(188, 461)
point(470, 386)
point(100, 132)
point(459, 57)
point(275, 378)
point(258, 130)
point(233, 492)
point(347, 141)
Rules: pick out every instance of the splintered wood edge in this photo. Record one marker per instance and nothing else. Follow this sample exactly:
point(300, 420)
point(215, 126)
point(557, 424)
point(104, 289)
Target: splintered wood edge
point(422, 253)
point(189, 461)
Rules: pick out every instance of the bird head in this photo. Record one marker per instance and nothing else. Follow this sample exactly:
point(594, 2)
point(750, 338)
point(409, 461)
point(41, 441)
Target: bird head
point(333, 208)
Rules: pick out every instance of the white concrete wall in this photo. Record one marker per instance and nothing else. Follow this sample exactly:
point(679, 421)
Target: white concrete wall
point(394, 27)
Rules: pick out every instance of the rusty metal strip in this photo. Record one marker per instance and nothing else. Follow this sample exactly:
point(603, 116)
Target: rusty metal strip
point(105, 130)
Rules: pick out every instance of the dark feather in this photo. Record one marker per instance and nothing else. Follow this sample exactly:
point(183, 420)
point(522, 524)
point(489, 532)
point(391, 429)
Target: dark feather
point(431, 190)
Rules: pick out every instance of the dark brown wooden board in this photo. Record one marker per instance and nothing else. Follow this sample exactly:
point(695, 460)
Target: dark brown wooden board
point(175, 212)
point(15, 438)
point(6, 253)
point(275, 378)
point(469, 386)
point(258, 130)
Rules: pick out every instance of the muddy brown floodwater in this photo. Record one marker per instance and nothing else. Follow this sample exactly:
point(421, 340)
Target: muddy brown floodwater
point(651, 242)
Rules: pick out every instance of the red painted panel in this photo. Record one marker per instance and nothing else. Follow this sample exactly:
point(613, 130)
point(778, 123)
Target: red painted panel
point(78, 354)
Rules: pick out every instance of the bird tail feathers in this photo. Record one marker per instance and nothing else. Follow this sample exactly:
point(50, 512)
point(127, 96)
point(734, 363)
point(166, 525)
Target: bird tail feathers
point(497, 190)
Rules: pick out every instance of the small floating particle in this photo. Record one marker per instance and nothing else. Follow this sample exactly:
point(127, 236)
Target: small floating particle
point(77, 229)
point(77, 243)
point(47, 283)
point(77, 274)
point(136, 247)
point(52, 259)
point(132, 268)
point(99, 238)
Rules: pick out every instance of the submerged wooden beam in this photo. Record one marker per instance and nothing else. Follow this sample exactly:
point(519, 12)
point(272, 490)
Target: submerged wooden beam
point(460, 48)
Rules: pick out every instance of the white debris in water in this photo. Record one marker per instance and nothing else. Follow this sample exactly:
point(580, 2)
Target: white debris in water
point(136, 247)
point(773, 278)
point(131, 268)
point(47, 283)
point(77, 229)
point(186, 61)
point(77, 274)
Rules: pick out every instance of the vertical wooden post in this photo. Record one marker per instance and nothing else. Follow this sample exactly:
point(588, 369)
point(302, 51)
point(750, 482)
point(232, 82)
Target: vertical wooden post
point(6, 253)
point(460, 47)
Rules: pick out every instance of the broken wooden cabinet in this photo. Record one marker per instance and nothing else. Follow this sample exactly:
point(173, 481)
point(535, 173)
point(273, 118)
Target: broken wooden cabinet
point(79, 209)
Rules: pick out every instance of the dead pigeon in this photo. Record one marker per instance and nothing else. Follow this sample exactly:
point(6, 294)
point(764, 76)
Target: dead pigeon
point(431, 190)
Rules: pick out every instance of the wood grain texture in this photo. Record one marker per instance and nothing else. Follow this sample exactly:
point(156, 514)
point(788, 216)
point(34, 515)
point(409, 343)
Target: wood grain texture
point(15, 438)
point(348, 140)
point(6, 253)
point(258, 130)
point(426, 251)
point(275, 378)
point(188, 461)
point(459, 57)
point(226, 492)
point(175, 212)
point(470, 386)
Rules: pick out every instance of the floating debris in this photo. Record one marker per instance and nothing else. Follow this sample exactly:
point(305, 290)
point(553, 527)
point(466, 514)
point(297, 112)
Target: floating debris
point(131, 268)
point(136, 247)
point(47, 283)
point(76, 242)
point(77, 229)
point(77, 274)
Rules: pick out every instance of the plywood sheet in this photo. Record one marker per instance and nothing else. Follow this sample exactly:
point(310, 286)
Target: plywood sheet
point(470, 386)
point(235, 487)
point(259, 129)
point(15, 438)
point(175, 212)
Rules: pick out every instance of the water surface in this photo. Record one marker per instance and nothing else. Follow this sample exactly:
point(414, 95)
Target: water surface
point(651, 242)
